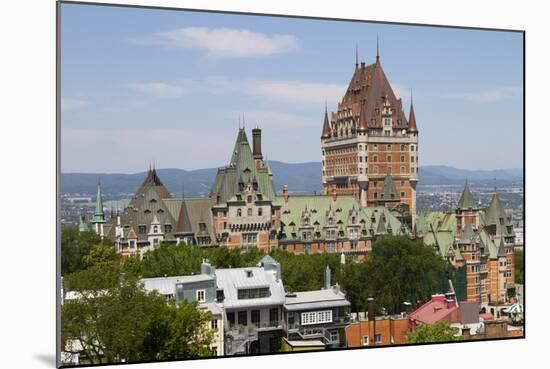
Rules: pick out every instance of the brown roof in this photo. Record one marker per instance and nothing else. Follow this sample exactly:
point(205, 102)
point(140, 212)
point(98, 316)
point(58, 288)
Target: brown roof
point(326, 128)
point(412, 120)
point(365, 95)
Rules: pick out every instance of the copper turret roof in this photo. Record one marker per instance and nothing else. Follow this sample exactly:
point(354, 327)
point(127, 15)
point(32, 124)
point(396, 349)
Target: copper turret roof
point(412, 119)
point(326, 127)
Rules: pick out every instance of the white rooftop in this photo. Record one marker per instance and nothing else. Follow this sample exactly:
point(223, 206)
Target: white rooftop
point(167, 285)
point(233, 279)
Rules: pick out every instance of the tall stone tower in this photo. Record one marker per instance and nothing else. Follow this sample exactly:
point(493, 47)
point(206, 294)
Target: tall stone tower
point(369, 147)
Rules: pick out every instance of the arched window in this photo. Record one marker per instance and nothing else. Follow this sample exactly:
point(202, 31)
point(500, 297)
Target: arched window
point(249, 212)
point(239, 212)
point(260, 212)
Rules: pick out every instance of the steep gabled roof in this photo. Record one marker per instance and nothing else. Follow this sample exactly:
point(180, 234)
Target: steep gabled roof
point(153, 180)
point(412, 119)
point(241, 168)
point(495, 211)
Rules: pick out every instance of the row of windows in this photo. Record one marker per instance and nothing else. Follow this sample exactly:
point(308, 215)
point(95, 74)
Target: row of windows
point(249, 212)
point(253, 293)
point(142, 229)
point(317, 317)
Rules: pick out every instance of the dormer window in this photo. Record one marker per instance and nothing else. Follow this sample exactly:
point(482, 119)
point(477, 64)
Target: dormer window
point(202, 226)
point(156, 229)
point(249, 199)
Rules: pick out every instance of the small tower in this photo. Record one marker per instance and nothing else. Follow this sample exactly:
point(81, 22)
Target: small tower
point(99, 216)
point(466, 210)
point(82, 226)
point(155, 235)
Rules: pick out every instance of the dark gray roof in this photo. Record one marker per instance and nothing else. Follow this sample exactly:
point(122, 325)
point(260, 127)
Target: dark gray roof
point(388, 190)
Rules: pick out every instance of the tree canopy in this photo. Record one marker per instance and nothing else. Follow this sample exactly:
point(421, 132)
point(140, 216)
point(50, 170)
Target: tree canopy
point(438, 332)
point(518, 266)
point(397, 270)
point(74, 246)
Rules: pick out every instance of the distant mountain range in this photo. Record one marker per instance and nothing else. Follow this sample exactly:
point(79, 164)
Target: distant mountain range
point(301, 178)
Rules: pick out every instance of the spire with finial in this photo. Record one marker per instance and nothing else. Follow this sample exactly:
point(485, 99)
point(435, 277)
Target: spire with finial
point(356, 55)
point(412, 118)
point(377, 48)
point(99, 215)
point(362, 127)
point(326, 128)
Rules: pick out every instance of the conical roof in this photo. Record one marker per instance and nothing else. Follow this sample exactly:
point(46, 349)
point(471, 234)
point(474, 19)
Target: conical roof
point(495, 211)
point(381, 229)
point(99, 215)
point(362, 127)
point(388, 189)
point(467, 234)
point(466, 199)
point(326, 127)
point(412, 119)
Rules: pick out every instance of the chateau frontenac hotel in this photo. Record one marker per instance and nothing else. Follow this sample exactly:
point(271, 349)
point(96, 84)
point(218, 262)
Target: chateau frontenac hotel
point(369, 174)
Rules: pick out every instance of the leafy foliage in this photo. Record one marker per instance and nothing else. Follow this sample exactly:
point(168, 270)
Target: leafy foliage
point(397, 270)
point(438, 332)
point(74, 246)
point(519, 267)
point(114, 319)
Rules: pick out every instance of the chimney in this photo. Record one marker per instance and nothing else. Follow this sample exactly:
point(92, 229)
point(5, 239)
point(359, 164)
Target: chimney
point(466, 332)
point(333, 193)
point(285, 193)
point(327, 277)
point(371, 308)
point(257, 144)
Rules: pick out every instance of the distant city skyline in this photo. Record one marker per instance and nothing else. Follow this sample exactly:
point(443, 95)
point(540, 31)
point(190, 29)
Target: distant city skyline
point(141, 86)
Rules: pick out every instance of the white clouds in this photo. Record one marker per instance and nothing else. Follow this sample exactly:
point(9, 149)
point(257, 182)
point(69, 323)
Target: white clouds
point(273, 119)
point(293, 92)
point(490, 95)
point(158, 89)
point(72, 104)
point(224, 42)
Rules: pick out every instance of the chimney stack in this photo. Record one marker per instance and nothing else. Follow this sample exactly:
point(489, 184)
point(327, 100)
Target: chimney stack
point(285, 194)
point(257, 144)
point(327, 277)
point(371, 308)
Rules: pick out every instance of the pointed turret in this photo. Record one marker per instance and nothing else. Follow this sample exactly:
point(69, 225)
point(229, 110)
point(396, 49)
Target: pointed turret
point(467, 234)
point(362, 127)
point(466, 199)
point(501, 248)
point(326, 127)
point(495, 211)
point(99, 215)
point(82, 226)
point(388, 190)
point(412, 119)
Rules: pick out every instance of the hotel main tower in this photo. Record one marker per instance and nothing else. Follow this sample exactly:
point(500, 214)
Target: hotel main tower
point(369, 147)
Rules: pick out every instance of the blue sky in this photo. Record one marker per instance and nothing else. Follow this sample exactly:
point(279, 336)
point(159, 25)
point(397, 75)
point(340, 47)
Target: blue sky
point(142, 85)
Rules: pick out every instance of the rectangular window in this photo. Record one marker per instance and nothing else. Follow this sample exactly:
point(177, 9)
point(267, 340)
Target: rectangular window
point(201, 295)
point(231, 318)
point(167, 228)
point(402, 158)
point(242, 318)
point(317, 317)
point(365, 340)
point(412, 159)
point(132, 244)
point(255, 317)
point(142, 229)
point(377, 339)
point(274, 316)
point(214, 324)
point(375, 158)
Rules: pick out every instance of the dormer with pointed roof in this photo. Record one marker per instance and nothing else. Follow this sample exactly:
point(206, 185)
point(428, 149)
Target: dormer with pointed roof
point(389, 193)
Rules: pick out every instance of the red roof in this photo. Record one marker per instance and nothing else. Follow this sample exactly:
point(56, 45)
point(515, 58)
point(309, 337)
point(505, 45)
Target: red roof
point(486, 316)
point(435, 310)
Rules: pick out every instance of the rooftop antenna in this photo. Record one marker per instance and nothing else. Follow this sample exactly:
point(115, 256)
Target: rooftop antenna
point(356, 55)
point(377, 48)
point(243, 121)
point(239, 120)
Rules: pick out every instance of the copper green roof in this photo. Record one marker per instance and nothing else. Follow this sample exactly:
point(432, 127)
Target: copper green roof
point(99, 215)
point(319, 209)
point(388, 190)
point(501, 248)
point(241, 171)
point(496, 216)
point(82, 226)
point(466, 199)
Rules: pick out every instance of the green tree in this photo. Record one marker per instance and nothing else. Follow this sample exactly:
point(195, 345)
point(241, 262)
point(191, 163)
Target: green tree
point(113, 319)
point(397, 270)
point(100, 254)
point(74, 246)
point(438, 332)
point(518, 266)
